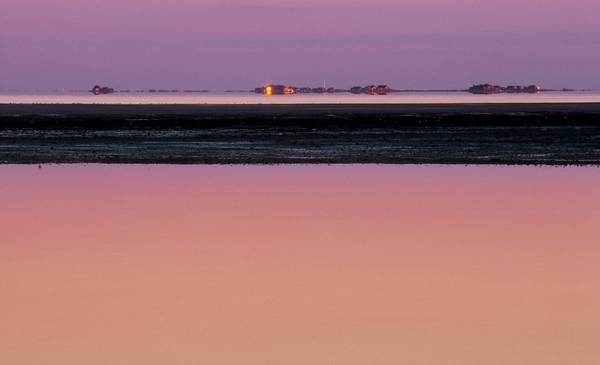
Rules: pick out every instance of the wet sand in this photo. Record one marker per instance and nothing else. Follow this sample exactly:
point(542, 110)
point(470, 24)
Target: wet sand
point(552, 134)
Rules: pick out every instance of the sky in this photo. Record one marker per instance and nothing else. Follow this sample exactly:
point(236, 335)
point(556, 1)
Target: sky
point(53, 44)
point(299, 265)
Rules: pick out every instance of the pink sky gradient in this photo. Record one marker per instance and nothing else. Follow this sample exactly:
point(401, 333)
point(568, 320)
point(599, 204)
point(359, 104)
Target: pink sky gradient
point(299, 265)
point(242, 44)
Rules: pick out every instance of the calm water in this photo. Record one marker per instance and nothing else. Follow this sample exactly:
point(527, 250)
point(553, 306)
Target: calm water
point(251, 98)
point(299, 265)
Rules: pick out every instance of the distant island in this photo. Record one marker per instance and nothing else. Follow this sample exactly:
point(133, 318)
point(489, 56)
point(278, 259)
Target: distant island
point(512, 89)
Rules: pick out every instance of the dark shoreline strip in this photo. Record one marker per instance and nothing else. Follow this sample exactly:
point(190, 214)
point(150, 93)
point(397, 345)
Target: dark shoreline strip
point(541, 134)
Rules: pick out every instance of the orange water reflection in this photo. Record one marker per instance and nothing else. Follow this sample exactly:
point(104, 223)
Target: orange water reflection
point(299, 265)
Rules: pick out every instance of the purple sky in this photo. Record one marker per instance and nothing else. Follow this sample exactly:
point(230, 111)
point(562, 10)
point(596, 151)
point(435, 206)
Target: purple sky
point(47, 44)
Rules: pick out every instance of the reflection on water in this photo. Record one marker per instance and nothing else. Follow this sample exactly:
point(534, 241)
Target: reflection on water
point(341, 98)
point(299, 265)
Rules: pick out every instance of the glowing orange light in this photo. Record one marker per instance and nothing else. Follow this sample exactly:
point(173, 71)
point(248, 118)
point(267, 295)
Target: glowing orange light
point(269, 90)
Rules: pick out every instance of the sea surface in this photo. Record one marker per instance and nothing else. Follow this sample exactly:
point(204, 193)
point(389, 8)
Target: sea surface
point(347, 264)
point(339, 98)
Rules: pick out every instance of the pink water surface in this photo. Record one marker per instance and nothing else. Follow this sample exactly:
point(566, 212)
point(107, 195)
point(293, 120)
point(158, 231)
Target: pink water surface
point(299, 265)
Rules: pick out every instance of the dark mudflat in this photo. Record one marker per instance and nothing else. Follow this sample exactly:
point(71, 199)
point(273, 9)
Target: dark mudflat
point(557, 134)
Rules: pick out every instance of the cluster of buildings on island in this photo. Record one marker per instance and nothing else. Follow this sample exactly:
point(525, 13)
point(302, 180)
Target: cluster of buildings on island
point(511, 89)
point(372, 90)
point(289, 90)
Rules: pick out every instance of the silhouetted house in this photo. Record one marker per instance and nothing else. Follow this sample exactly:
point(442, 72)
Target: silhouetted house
point(274, 90)
point(98, 90)
point(371, 89)
point(512, 89)
point(485, 89)
point(533, 89)
point(383, 90)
